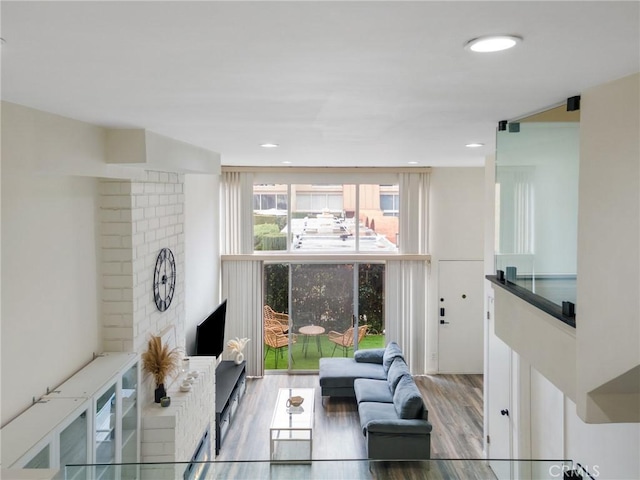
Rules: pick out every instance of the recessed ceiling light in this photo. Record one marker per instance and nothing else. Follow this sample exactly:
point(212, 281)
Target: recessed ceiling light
point(269, 145)
point(412, 163)
point(474, 145)
point(286, 162)
point(492, 43)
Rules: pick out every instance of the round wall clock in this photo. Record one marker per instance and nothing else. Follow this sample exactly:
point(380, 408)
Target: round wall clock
point(164, 279)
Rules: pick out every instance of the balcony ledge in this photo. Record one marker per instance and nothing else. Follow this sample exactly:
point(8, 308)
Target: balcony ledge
point(537, 301)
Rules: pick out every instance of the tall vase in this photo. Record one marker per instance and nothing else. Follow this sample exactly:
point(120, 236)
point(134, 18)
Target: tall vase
point(239, 358)
point(159, 392)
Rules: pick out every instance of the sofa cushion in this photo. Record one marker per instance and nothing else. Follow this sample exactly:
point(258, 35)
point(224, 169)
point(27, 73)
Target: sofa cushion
point(341, 372)
point(407, 399)
point(375, 412)
point(397, 369)
point(368, 390)
point(369, 355)
point(390, 352)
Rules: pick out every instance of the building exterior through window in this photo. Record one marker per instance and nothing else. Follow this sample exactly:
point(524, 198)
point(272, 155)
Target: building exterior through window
point(335, 218)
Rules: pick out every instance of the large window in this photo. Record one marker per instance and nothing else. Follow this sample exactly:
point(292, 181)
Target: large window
point(326, 217)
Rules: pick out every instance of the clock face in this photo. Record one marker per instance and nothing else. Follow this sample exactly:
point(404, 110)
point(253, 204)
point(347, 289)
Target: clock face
point(164, 279)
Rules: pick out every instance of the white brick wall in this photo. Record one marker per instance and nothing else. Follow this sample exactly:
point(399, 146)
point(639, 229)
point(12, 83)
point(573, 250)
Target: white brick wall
point(117, 258)
point(138, 219)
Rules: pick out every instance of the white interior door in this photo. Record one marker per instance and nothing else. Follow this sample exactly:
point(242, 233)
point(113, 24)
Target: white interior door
point(460, 314)
point(498, 400)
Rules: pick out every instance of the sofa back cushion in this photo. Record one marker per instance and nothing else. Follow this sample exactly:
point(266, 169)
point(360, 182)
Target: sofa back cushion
point(391, 351)
point(407, 399)
point(397, 369)
point(369, 355)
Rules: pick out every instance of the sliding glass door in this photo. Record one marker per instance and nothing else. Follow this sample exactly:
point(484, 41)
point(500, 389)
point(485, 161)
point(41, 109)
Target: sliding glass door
point(324, 310)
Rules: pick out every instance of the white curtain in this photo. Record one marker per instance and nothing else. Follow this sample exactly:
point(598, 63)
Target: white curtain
point(242, 287)
point(406, 280)
point(241, 279)
point(237, 209)
point(405, 310)
point(523, 211)
point(414, 213)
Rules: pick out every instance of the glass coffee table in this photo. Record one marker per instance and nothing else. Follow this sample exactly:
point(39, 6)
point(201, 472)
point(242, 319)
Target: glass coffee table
point(291, 430)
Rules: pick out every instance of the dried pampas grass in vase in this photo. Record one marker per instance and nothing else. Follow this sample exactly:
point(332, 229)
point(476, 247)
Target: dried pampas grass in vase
point(160, 361)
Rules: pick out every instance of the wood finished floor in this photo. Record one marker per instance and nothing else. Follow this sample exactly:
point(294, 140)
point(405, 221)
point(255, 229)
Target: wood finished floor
point(455, 407)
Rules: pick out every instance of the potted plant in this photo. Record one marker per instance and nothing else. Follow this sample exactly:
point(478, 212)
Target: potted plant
point(160, 361)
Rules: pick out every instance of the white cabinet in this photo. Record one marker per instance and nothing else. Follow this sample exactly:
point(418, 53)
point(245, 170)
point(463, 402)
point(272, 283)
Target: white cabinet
point(47, 434)
point(91, 418)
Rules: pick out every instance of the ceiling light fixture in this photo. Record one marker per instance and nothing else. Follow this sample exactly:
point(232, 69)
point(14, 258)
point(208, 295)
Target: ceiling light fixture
point(492, 43)
point(269, 145)
point(474, 145)
point(412, 163)
point(286, 162)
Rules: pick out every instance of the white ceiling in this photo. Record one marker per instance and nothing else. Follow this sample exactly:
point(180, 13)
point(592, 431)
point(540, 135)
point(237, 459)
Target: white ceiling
point(334, 83)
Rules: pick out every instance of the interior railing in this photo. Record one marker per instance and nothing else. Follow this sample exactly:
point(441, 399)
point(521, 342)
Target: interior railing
point(478, 469)
point(536, 204)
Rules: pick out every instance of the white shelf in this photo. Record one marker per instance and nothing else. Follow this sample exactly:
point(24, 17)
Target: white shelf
point(95, 376)
point(96, 435)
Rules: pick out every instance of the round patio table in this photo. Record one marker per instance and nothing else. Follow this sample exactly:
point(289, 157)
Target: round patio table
point(311, 331)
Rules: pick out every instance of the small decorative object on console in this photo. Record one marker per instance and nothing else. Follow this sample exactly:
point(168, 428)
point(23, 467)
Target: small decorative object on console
point(237, 346)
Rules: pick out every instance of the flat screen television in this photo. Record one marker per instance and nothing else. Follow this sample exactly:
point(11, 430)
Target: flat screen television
point(210, 332)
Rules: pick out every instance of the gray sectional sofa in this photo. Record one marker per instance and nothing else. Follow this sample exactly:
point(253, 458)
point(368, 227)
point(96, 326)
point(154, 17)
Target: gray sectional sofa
point(393, 416)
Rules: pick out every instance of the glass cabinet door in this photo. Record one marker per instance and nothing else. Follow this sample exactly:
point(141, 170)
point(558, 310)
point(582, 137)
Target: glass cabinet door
point(105, 428)
point(41, 459)
point(130, 432)
point(73, 445)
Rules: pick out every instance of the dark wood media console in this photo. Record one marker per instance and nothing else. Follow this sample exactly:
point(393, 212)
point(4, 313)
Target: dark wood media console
point(231, 383)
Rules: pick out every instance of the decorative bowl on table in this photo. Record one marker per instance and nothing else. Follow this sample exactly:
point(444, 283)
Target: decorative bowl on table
point(295, 401)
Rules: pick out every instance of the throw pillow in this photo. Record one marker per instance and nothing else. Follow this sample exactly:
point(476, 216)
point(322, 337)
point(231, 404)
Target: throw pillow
point(397, 369)
point(407, 399)
point(369, 355)
point(390, 352)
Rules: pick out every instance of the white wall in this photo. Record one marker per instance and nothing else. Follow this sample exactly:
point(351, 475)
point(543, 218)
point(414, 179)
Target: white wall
point(608, 310)
point(202, 252)
point(50, 306)
point(456, 231)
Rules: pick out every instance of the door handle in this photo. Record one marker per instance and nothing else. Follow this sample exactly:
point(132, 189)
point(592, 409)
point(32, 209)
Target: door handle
point(504, 412)
point(442, 322)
